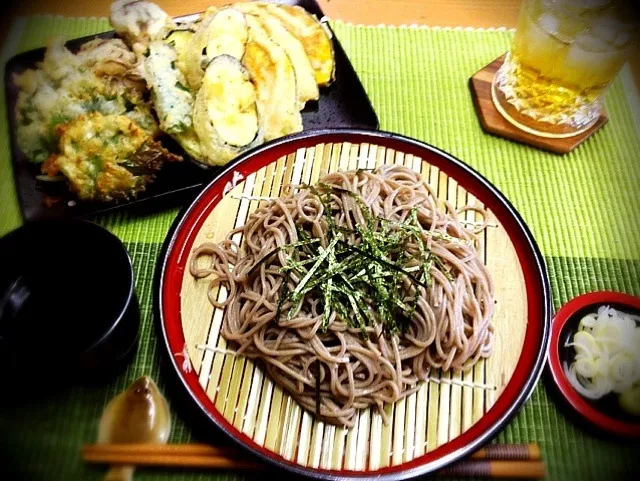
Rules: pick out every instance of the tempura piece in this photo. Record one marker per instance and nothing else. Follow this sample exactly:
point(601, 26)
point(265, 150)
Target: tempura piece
point(102, 77)
point(306, 86)
point(106, 157)
point(225, 115)
point(274, 78)
point(313, 35)
point(222, 32)
point(139, 23)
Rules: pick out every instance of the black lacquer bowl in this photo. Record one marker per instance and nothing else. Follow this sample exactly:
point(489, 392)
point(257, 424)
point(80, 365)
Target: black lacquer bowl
point(68, 306)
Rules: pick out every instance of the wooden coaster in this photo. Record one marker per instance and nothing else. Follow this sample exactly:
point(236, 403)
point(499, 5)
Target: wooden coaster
point(494, 123)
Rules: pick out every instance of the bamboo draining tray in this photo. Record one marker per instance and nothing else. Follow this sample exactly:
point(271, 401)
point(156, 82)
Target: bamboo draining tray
point(443, 408)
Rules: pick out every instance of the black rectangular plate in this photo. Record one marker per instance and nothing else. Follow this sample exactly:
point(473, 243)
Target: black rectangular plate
point(342, 104)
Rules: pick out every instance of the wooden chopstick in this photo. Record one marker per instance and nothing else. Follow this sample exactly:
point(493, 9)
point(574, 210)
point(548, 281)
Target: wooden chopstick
point(173, 460)
point(171, 449)
point(523, 452)
point(493, 461)
point(496, 469)
point(511, 452)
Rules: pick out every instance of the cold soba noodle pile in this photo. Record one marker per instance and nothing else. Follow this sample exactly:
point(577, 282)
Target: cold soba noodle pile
point(350, 291)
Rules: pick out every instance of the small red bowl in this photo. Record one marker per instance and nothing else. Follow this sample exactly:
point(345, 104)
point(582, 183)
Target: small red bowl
point(604, 413)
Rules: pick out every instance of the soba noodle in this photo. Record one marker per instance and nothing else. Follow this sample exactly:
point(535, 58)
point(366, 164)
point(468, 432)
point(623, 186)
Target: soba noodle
point(330, 364)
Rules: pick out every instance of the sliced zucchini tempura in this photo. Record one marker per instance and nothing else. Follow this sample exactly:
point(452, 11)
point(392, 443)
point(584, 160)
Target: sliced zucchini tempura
point(180, 39)
point(224, 32)
point(225, 114)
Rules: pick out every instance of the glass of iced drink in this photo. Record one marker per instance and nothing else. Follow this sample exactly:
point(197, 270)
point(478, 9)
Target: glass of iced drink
point(564, 56)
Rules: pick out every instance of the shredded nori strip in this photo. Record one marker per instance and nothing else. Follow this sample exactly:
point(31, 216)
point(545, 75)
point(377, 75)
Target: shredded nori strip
point(363, 283)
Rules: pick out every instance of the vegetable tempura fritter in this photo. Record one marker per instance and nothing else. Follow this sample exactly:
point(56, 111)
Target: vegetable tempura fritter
point(106, 157)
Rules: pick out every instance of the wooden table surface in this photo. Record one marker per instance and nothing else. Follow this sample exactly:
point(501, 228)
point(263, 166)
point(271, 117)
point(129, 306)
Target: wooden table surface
point(466, 13)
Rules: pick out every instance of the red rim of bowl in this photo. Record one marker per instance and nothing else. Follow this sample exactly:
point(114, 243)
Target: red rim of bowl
point(575, 400)
point(170, 271)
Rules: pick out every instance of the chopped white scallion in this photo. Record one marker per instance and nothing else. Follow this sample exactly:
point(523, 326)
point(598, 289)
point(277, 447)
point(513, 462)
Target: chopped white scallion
point(607, 359)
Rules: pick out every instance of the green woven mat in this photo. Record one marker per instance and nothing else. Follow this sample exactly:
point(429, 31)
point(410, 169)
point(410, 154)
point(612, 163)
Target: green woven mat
point(583, 209)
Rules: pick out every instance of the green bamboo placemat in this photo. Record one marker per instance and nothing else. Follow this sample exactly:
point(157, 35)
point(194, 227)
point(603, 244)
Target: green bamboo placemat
point(583, 208)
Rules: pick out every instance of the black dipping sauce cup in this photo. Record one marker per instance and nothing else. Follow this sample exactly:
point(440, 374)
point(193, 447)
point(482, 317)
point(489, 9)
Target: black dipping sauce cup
point(68, 308)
